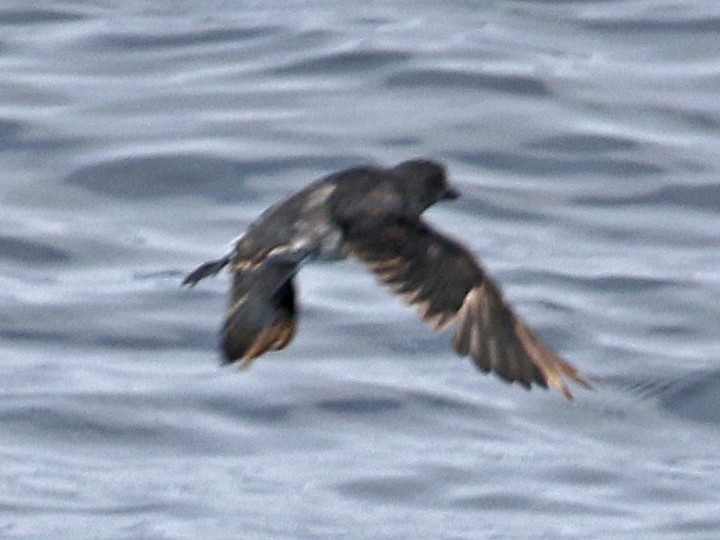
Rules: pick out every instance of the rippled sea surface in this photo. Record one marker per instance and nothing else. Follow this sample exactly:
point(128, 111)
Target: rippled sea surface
point(137, 139)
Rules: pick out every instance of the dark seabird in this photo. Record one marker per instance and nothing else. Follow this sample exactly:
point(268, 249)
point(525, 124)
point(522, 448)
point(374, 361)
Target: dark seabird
point(374, 215)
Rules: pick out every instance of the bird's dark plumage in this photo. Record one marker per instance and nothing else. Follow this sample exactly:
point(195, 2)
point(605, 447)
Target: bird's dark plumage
point(374, 215)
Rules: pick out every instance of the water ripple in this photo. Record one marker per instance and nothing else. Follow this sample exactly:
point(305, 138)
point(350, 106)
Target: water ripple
point(704, 197)
point(443, 79)
point(142, 177)
point(546, 165)
point(574, 143)
point(344, 63)
point(32, 252)
point(152, 42)
point(37, 16)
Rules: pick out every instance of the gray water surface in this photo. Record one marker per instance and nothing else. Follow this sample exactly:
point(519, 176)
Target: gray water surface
point(137, 139)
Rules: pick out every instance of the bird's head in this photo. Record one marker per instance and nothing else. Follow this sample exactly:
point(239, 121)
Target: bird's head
point(426, 181)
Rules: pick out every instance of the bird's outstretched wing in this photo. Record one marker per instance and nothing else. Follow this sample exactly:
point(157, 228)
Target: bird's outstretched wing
point(261, 315)
point(439, 276)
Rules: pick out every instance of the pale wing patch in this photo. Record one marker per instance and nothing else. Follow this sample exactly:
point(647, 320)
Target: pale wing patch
point(319, 197)
point(246, 265)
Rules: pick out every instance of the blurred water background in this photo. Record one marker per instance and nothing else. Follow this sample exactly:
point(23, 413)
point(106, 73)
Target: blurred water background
point(137, 139)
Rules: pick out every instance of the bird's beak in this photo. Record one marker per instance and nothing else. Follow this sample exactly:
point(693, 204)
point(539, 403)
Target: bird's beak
point(451, 194)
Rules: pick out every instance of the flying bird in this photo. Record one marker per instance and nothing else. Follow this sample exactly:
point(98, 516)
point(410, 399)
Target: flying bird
point(374, 214)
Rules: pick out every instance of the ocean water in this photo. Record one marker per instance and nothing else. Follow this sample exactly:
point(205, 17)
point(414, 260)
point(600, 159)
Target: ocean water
point(137, 139)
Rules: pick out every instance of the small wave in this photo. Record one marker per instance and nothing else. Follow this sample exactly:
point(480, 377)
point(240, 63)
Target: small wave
point(704, 197)
point(441, 78)
point(160, 176)
point(31, 251)
point(344, 62)
point(584, 143)
point(21, 17)
point(547, 165)
point(657, 26)
point(695, 396)
point(154, 41)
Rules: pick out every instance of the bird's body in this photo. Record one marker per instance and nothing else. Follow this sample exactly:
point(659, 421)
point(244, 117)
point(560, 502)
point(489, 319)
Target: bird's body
point(374, 215)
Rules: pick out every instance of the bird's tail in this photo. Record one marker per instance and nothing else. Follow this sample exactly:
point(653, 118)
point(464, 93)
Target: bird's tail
point(209, 268)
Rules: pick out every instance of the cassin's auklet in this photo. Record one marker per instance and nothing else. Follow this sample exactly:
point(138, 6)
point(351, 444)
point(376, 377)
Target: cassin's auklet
point(374, 214)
